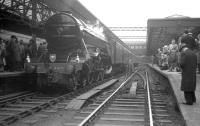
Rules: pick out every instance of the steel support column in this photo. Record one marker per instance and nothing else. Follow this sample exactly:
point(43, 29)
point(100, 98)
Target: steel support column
point(34, 13)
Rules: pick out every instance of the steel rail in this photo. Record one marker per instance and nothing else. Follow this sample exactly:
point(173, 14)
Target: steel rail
point(149, 101)
point(36, 108)
point(15, 98)
point(89, 118)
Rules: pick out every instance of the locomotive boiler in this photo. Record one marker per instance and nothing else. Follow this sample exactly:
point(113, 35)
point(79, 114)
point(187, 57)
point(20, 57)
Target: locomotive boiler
point(76, 55)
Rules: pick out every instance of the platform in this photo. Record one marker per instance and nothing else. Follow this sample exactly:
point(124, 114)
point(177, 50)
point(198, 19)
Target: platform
point(191, 113)
point(11, 74)
point(11, 82)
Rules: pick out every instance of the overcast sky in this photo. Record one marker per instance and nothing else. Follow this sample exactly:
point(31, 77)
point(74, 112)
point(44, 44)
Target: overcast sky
point(115, 13)
point(135, 13)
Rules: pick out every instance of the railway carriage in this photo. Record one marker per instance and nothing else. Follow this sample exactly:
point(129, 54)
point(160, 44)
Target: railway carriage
point(5, 35)
point(76, 55)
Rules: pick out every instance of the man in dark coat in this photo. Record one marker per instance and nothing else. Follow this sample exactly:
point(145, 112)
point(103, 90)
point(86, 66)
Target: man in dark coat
point(188, 63)
point(2, 55)
point(11, 54)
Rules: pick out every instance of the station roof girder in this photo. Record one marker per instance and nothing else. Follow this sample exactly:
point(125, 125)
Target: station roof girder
point(128, 28)
point(73, 6)
point(132, 37)
point(36, 11)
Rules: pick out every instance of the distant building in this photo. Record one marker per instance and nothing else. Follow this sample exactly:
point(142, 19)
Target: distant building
point(161, 31)
point(138, 48)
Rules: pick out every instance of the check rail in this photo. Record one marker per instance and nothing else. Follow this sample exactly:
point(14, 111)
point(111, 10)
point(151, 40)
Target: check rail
point(92, 116)
point(89, 119)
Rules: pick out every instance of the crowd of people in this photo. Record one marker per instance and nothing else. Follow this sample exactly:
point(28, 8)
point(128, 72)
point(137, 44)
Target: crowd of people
point(168, 57)
point(14, 53)
point(182, 56)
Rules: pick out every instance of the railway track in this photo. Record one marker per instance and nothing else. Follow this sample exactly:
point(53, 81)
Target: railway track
point(27, 104)
point(147, 108)
point(92, 111)
point(24, 104)
point(13, 97)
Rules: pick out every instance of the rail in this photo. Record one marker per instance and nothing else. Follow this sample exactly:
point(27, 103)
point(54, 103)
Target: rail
point(15, 98)
point(10, 118)
point(90, 117)
point(31, 110)
point(149, 101)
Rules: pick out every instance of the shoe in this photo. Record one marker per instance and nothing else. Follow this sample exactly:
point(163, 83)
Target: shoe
point(185, 103)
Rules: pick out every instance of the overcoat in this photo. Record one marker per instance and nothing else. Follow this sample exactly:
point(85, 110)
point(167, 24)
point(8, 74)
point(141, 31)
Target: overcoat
point(188, 63)
point(16, 51)
point(2, 55)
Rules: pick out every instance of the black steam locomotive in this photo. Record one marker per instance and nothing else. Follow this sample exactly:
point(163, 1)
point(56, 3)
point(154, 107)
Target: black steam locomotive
point(77, 55)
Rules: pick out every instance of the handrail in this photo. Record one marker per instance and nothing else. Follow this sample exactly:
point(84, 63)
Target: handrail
point(89, 117)
point(149, 101)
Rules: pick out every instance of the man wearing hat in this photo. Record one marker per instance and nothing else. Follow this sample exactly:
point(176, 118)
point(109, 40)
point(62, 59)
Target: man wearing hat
point(188, 63)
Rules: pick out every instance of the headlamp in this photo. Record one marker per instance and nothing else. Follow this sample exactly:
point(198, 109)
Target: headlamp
point(52, 57)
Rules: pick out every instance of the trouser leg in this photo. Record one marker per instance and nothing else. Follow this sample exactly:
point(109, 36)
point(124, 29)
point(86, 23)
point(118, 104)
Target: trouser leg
point(193, 97)
point(188, 97)
point(198, 67)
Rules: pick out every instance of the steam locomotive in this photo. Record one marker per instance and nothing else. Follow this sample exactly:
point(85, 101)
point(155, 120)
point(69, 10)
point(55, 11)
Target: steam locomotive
point(77, 55)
